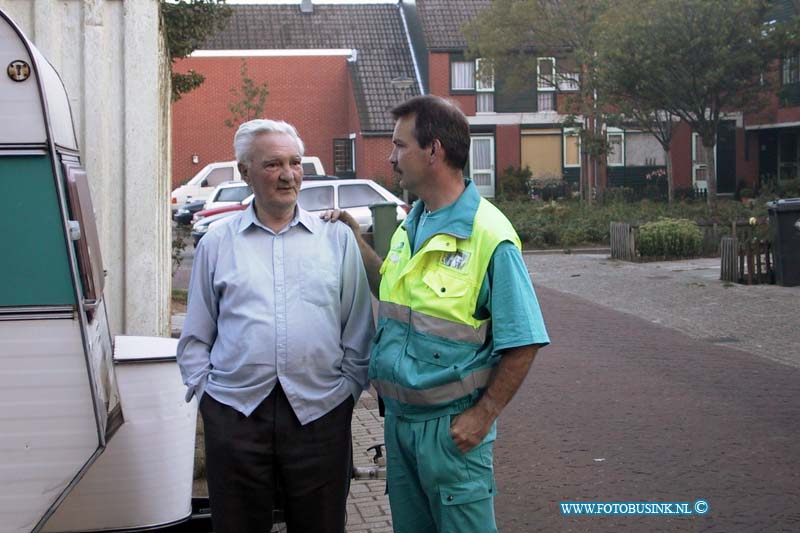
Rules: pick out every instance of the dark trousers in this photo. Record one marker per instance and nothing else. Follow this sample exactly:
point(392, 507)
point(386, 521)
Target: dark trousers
point(250, 459)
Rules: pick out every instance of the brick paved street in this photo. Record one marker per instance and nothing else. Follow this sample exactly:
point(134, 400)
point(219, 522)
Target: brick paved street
point(621, 409)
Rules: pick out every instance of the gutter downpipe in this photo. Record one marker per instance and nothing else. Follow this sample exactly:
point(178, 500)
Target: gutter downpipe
point(411, 47)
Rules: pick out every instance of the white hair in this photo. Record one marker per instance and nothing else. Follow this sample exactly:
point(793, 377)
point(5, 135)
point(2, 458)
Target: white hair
point(247, 132)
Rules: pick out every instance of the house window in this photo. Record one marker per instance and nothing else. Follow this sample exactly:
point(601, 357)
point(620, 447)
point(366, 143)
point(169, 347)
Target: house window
point(344, 158)
point(572, 148)
point(569, 81)
point(462, 75)
point(485, 76)
point(616, 149)
point(791, 68)
point(787, 155)
point(546, 101)
point(484, 85)
point(699, 163)
point(485, 103)
point(546, 73)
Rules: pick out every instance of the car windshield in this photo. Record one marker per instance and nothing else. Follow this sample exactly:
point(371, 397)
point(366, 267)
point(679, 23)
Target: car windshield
point(316, 198)
point(234, 194)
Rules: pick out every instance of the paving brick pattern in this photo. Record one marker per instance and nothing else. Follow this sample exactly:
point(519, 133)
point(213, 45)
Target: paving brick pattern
point(367, 505)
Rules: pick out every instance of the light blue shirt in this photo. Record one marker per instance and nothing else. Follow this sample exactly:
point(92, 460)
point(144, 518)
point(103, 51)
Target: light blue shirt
point(263, 307)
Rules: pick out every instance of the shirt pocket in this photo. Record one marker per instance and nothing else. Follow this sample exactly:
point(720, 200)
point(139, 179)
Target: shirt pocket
point(319, 282)
point(447, 285)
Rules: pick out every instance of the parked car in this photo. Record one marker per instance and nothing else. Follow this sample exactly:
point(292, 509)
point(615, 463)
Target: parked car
point(205, 212)
point(200, 215)
point(316, 195)
point(227, 194)
point(204, 182)
point(351, 195)
point(184, 214)
point(201, 227)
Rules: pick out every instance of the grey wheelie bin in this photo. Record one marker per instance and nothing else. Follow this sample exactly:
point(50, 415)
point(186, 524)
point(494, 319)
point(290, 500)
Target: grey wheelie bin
point(784, 226)
point(384, 222)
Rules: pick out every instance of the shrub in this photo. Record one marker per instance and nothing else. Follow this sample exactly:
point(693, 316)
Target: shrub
point(669, 237)
point(547, 189)
point(515, 184)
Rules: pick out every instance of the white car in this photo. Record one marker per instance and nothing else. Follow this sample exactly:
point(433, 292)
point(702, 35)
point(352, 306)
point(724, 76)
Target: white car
point(351, 195)
point(213, 174)
point(228, 193)
point(317, 195)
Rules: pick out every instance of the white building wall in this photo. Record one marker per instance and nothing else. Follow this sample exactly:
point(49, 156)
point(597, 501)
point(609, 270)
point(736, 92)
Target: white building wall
point(112, 58)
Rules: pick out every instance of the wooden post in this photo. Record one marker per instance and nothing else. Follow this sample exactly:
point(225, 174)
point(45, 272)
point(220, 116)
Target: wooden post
point(623, 245)
point(729, 248)
point(759, 246)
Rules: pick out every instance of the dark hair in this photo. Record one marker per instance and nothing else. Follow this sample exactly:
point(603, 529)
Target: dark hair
point(436, 118)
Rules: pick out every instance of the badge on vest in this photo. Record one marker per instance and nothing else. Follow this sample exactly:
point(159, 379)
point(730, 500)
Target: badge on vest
point(457, 260)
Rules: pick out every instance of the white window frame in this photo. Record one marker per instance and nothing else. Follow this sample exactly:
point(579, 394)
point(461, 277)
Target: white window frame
point(697, 166)
point(621, 134)
point(570, 132)
point(478, 110)
point(790, 68)
point(541, 83)
point(485, 191)
point(479, 83)
point(453, 78)
point(483, 89)
point(552, 97)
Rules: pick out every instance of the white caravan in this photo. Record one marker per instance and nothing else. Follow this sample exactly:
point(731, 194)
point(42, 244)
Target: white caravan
point(94, 432)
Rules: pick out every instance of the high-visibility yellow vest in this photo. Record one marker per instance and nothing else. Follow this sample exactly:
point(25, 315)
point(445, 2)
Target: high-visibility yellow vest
point(428, 346)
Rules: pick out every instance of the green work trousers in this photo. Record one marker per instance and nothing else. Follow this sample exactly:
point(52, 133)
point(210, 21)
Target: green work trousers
point(433, 487)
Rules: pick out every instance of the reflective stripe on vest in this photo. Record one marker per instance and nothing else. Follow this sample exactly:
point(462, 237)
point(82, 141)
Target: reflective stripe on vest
point(435, 326)
point(446, 393)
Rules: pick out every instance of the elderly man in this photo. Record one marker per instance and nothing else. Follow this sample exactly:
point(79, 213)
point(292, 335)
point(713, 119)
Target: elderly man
point(275, 347)
point(458, 331)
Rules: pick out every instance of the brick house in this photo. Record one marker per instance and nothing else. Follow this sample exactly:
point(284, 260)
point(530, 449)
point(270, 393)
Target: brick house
point(525, 129)
point(334, 71)
point(772, 147)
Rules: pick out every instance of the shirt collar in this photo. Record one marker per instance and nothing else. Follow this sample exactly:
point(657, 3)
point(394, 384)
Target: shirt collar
point(461, 212)
point(301, 216)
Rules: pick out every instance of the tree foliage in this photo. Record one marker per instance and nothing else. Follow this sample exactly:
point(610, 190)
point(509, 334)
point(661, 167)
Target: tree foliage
point(693, 59)
point(187, 25)
point(251, 100)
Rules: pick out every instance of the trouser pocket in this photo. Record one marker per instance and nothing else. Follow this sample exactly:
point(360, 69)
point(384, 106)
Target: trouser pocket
point(468, 506)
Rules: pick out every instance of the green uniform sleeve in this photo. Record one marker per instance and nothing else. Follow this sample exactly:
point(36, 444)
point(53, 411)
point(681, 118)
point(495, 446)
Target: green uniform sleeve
point(507, 296)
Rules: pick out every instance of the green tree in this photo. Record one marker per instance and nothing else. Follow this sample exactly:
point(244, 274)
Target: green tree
point(251, 100)
point(187, 25)
point(512, 34)
point(692, 59)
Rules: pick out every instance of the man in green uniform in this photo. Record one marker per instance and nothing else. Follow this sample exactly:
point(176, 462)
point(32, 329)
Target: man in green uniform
point(458, 331)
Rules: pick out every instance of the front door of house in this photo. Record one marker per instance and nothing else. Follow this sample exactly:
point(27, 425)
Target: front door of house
point(481, 164)
point(726, 157)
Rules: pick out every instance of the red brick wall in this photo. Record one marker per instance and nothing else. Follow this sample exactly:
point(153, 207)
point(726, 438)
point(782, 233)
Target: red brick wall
point(312, 93)
point(372, 155)
point(507, 147)
point(439, 76)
